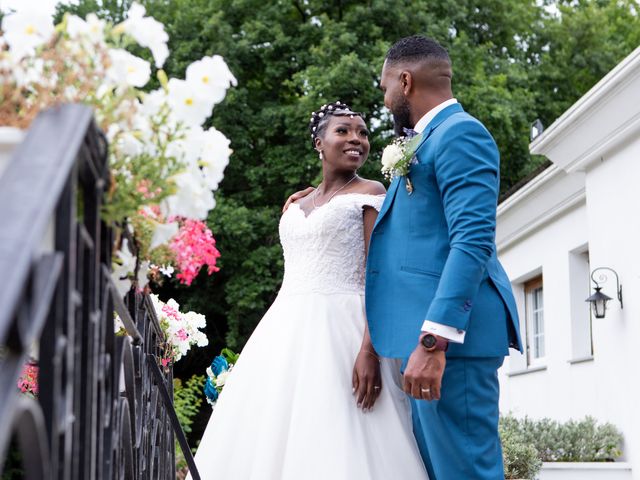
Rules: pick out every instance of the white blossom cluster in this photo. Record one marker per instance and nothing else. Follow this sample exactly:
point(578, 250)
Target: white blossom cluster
point(181, 329)
point(165, 122)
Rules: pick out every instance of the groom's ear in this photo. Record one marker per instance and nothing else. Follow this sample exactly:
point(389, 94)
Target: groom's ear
point(406, 82)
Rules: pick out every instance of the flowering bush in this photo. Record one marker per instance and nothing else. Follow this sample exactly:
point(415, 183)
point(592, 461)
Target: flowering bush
point(181, 329)
point(217, 374)
point(28, 380)
point(194, 247)
point(164, 166)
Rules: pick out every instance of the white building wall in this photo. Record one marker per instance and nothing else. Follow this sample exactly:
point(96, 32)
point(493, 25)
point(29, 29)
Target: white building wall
point(589, 198)
point(613, 202)
point(608, 224)
point(550, 392)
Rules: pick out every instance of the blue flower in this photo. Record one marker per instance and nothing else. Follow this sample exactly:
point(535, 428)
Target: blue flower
point(210, 390)
point(219, 365)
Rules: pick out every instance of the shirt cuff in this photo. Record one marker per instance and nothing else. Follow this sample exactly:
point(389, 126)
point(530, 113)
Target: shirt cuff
point(454, 335)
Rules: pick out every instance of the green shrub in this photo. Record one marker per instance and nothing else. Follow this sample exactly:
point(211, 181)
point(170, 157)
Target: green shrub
point(521, 460)
point(572, 441)
point(187, 398)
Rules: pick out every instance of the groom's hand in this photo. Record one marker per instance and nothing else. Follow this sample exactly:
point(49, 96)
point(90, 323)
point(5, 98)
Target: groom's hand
point(423, 374)
point(297, 196)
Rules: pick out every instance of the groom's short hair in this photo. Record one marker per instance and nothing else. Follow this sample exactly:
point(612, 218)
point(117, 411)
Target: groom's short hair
point(416, 48)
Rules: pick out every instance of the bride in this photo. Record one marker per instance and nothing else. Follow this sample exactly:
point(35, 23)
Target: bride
point(309, 398)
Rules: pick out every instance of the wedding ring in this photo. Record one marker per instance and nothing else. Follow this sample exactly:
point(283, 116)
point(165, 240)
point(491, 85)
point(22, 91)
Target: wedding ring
point(425, 390)
point(376, 387)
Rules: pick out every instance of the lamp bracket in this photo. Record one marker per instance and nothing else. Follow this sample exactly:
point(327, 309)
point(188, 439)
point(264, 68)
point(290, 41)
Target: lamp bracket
point(603, 277)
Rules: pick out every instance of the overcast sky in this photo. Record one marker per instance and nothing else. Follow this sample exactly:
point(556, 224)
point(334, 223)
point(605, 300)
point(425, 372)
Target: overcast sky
point(45, 5)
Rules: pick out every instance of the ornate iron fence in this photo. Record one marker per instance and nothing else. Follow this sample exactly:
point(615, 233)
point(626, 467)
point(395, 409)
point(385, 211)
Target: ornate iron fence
point(104, 408)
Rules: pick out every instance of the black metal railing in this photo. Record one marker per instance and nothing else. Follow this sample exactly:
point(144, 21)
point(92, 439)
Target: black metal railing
point(104, 408)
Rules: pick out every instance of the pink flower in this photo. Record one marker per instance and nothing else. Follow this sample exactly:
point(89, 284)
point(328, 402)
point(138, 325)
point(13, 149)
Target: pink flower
point(171, 312)
point(28, 381)
point(151, 211)
point(194, 247)
point(144, 188)
point(182, 334)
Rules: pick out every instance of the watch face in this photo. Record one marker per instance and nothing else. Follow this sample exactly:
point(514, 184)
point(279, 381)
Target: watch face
point(429, 341)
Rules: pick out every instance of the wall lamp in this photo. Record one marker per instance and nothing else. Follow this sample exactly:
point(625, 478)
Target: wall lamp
point(599, 300)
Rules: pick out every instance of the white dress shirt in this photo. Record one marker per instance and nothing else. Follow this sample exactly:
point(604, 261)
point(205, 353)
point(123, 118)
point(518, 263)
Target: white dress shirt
point(452, 334)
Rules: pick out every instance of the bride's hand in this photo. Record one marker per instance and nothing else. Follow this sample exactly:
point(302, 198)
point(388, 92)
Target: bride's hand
point(367, 381)
point(297, 196)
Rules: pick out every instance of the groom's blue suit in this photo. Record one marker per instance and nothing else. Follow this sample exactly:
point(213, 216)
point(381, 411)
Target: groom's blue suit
point(432, 257)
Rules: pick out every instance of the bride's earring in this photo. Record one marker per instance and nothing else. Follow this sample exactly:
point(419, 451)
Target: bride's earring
point(320, 156)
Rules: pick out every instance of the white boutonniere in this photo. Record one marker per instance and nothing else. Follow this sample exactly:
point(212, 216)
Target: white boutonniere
point(397, 158)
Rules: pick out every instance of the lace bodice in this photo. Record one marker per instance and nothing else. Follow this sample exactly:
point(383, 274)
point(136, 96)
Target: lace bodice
point(324, 252)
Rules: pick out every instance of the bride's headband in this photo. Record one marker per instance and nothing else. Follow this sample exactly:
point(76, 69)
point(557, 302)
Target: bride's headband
point(320, 118)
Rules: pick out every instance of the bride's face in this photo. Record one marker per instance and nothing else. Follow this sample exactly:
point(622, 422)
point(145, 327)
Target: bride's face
point(345, 143)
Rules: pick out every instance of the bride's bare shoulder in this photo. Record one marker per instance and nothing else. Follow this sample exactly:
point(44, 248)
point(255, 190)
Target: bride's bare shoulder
point(370, 187)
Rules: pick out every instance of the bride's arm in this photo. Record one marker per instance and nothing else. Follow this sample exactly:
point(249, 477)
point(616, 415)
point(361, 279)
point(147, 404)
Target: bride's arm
point(367, 381)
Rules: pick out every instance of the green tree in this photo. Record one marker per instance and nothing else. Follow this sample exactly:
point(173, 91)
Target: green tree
point(514, 61)
point(578, 47)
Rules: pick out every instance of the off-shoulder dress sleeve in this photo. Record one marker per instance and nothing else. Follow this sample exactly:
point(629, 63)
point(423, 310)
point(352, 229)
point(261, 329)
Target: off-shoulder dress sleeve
point(368, 200)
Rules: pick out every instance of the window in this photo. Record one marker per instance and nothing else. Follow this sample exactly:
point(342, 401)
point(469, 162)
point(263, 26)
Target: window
point(581, 337)
point(534, 318)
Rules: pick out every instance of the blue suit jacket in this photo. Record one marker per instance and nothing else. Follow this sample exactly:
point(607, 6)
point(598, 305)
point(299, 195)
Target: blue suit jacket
point(432, 253)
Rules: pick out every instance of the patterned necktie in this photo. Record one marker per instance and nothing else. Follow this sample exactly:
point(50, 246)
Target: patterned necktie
point(409, 132)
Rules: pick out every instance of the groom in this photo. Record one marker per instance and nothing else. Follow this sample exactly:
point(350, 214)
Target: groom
point(436, 295)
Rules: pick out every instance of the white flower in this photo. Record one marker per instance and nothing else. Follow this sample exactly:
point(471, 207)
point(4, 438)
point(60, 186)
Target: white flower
point(391, 155)
point(181, 329)
point(183, 348)
point(148, 32)
point(70, 93)
point(210, 78)
point(173, 304)
point(92, 28)
point(26, 30)
point(214, 157)
point(222, 378)
point(195, 320)
point(157, 305)
point(29, 72)
point(129, 145)
point(122, 269)
point(188, 148)
point(163, 233)
point(201, 339)
point(193, 198)
point(166, 270)
point(153, 102)
point(112, 132)
point(127, 69)
point(186, 105)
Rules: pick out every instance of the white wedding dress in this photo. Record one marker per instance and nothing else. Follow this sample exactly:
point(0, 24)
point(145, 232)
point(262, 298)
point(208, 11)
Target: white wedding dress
point(287, 411)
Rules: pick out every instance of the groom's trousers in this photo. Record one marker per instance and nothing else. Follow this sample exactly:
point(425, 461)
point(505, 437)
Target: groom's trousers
point(458, 434)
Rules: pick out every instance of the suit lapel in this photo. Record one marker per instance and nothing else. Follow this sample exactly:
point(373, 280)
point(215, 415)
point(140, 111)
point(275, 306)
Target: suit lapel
point(391, 193)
